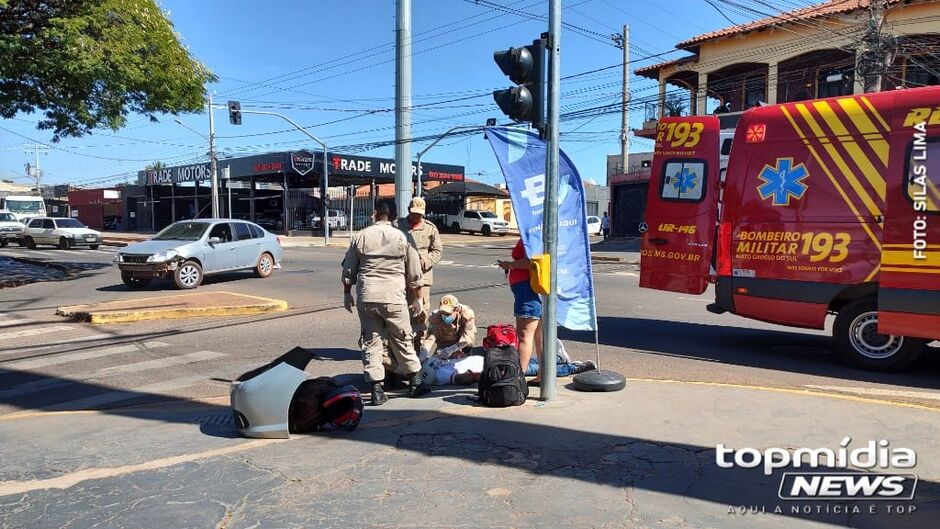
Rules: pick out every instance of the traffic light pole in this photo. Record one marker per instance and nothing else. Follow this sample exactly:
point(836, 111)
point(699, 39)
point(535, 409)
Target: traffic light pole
point(435, 142)
point(326, 169)
point(550, 220)
point(213, 162)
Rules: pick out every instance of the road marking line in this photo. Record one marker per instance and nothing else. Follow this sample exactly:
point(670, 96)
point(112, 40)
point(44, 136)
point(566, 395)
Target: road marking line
point(879, 392)
point(36, 363)
point(40, 253)
point(109, 397)
point(198, 356)
point(11, 322)
point(34, 332)
point(445, 262)
point(106, 252)
point(71, 479)
point(51, 345)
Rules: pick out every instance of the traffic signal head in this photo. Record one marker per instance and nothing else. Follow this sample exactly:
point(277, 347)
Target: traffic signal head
point(517, 63)
point(526, 68)
point(235, 112)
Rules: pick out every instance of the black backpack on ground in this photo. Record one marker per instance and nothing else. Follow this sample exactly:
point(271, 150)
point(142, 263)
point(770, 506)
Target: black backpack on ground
point(502, 382)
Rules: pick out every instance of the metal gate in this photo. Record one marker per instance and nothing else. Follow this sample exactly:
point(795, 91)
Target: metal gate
point(349, 209)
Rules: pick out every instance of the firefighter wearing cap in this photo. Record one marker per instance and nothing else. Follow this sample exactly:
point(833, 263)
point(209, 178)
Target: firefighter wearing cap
point(427, 240)
point(451, 328)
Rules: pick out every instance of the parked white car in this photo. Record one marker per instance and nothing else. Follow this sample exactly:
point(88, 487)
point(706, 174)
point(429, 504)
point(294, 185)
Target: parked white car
point(593, 225)
point(472, 220)
point(62, 232)
point(337, 219)
point(11, 229)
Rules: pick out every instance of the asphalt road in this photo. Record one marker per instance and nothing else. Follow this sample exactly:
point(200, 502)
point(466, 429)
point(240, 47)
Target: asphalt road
point(47, 363)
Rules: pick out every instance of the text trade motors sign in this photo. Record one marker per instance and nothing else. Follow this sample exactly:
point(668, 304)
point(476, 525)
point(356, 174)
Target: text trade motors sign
point(302, 162)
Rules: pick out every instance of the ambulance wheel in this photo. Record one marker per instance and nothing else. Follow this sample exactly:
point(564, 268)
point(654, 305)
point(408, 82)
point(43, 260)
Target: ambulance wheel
point(599, 381)
point(858, 342)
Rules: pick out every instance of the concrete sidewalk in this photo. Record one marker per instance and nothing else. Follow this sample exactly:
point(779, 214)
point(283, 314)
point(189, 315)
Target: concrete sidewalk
point(644, 457)
point(200, 304)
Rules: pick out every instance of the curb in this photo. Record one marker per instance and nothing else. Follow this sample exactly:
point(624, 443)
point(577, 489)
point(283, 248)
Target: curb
point(45, 264)
point(130, 316)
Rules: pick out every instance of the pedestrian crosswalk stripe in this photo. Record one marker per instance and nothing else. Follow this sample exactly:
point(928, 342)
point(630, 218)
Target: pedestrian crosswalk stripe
point(198, 356)
point(52, 360)
point(110, 397)
point(51, 345)
point(35, 332)
point(40, 253)
point(48, 383)
point(8, 322)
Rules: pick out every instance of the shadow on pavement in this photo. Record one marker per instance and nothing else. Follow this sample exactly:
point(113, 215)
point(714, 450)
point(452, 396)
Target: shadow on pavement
point(593, 457)
point(796, 352)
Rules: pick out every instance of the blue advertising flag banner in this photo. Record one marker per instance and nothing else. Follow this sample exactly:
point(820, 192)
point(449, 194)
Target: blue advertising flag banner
point(521, 156)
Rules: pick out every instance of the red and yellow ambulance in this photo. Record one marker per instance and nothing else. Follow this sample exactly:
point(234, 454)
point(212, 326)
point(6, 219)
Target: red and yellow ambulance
point(829, 206)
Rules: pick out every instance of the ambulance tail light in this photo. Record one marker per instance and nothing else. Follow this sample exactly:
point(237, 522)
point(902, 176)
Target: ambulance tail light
point(724, 249)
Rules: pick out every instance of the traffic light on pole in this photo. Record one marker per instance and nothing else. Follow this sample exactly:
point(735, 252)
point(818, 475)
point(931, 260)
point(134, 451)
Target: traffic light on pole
point(525, 67)
point(234, 112)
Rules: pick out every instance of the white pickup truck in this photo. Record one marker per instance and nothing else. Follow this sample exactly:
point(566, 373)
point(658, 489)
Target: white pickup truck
point(477, 221)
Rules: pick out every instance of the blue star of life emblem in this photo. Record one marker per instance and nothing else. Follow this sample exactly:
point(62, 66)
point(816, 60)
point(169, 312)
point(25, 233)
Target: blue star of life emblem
point(783, 182)
point(685, 181)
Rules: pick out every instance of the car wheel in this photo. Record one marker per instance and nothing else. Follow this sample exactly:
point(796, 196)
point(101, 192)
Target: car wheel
point(134, 282)
point(857, 341)
point(94, 246)
point(188, 275)
point(486, 231)
point(4, 243)
point(456, 227)
point(265, 266)
point(64, 243)
point(30, 243)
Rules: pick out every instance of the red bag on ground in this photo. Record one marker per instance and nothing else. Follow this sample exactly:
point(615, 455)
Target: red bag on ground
point(501, 335)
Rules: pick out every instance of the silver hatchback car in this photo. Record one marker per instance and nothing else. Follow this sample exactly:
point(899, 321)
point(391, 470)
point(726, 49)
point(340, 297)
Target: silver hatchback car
point(187, 251)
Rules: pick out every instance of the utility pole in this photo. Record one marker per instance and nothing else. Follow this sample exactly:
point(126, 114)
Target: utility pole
point(35, 171)
point(623, 42)
point(550, 219)
point(877, 50)
point(213, 163)
point(403, 181)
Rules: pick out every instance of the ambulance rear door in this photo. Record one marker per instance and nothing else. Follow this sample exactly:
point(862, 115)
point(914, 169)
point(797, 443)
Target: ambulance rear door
point(682, 206)
point(909, 280)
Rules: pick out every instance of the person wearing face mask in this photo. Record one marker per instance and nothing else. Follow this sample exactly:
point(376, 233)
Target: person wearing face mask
point(452, 328)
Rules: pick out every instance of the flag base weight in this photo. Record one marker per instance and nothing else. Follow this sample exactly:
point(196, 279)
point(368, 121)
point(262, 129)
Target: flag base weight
point(599, 381)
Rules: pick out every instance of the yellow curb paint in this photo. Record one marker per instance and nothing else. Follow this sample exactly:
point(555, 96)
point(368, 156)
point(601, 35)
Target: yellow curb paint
point(792, 391)
point(263, 306)
point(71, 479)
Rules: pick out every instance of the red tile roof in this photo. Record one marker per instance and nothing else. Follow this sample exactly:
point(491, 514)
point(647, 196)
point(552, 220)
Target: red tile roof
point(656, 67)
point(822, 9)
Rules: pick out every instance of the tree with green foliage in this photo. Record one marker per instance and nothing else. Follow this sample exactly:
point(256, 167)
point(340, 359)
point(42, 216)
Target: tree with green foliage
point(87, 64)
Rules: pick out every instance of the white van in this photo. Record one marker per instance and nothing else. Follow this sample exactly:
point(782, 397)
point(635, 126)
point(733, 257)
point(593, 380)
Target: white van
point(24, 208)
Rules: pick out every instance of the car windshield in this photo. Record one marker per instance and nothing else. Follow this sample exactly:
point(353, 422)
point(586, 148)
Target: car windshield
point(68, 223)
point(488, 215)
point(182, 231)
point(7, 217)
point(24, 206)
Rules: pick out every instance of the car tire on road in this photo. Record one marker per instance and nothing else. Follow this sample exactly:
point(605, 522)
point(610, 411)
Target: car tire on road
point(265, 266)
point(94, 246)
point(857, 341)
point(133, 281)
point(456, 227)
point(64, 243)
point(486, 231)
point(187, 275)
point(4, 243)
point(30, 243)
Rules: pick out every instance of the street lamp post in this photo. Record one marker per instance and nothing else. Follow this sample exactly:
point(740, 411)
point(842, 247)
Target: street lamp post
point(435, 142)
point(326, 167)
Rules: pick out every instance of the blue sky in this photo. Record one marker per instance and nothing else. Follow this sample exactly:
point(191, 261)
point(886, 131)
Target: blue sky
point(333, 61)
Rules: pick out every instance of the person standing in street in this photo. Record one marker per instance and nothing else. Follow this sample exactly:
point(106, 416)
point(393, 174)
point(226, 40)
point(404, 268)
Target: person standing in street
point(427, 240)
point(605, 225)
point(384, 266)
